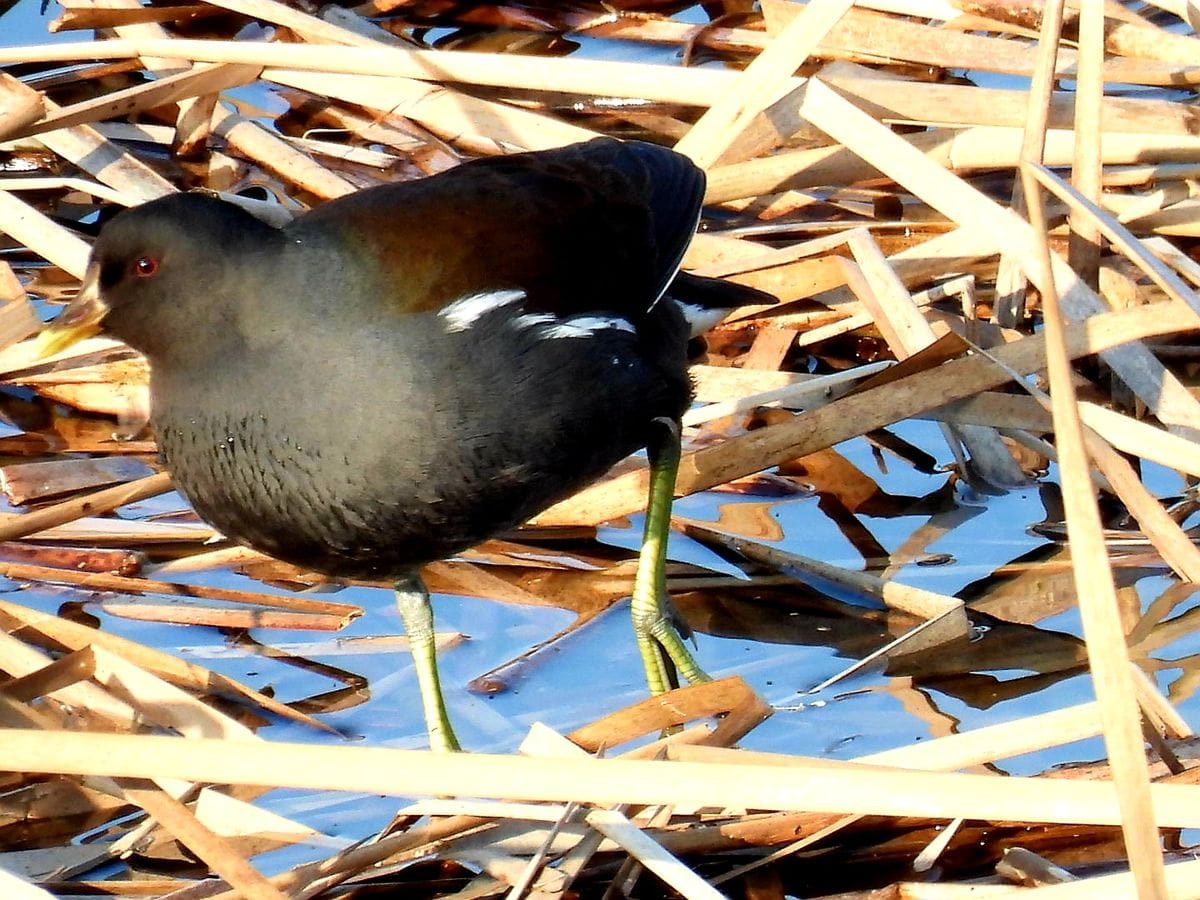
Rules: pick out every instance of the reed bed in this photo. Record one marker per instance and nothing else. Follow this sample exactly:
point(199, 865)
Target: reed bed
point(1017, 263)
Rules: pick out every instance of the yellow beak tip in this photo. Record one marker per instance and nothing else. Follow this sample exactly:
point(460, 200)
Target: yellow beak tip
point(55, 339)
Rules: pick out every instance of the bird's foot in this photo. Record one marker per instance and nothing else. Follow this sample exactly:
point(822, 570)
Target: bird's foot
point(665, 656)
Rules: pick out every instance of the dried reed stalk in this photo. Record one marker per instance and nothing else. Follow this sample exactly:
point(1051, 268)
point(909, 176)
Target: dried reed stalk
point(1105, 637)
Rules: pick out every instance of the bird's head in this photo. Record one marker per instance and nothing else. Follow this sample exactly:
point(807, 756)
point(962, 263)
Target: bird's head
point(154, 273)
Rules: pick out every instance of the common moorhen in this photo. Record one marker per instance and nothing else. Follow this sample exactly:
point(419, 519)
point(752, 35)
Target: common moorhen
point(401, 373)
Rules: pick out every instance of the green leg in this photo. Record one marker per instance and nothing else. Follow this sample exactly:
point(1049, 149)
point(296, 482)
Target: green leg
point(652, 626)
point(412, 599)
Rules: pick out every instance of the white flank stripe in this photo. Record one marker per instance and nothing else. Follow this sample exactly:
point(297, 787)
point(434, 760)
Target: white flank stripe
point(462, 314)
point(531, 319)
point(587, 326)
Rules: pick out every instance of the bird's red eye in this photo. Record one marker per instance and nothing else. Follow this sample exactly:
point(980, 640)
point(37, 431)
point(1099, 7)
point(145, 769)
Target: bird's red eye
point(145, 266)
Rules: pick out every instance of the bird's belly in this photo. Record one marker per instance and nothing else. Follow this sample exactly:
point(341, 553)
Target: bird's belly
point(349, 514)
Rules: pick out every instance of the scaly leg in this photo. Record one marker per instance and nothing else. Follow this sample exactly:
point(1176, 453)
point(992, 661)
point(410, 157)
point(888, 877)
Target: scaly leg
point(652, 626)
point(412, 599)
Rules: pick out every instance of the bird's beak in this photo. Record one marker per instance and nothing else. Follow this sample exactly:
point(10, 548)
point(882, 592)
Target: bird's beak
point(81, 318)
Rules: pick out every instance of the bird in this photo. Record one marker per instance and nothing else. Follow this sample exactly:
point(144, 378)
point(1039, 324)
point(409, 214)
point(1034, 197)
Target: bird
point(400, 373)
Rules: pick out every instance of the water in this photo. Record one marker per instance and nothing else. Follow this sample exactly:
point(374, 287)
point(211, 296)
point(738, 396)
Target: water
point(23, 23)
